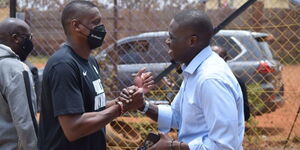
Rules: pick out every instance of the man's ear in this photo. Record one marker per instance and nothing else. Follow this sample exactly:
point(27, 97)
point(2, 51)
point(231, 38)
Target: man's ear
point(193, 40)
point(75, 25)
point(15, 38)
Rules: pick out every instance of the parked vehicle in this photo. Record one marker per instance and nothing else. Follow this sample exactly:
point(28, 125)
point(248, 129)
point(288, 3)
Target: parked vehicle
point(250, 58)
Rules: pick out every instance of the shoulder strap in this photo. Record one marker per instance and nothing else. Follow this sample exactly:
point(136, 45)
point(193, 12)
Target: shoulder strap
point(28, 89)
point(7, 56)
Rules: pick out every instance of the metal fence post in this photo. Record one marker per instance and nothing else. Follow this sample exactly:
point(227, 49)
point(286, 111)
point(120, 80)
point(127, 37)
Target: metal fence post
point(115, 37)
point(12, 8)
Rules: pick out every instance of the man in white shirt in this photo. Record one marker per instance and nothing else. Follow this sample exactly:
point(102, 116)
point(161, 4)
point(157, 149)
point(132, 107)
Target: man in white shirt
point(208, 109)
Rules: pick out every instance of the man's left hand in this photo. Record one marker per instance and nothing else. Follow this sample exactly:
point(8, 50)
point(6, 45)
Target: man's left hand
point(144, 80)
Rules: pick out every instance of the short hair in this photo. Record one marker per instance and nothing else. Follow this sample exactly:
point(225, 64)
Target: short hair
point(74, 10)
point(195, 20)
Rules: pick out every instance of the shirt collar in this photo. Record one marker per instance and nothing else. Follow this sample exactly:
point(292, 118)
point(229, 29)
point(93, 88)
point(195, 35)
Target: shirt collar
point(197, 61)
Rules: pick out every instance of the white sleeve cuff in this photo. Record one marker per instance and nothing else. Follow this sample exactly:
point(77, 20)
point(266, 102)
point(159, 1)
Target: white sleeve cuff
point(164, 118)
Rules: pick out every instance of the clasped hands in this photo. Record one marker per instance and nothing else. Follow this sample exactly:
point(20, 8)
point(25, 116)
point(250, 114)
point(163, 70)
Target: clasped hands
point(132, 98)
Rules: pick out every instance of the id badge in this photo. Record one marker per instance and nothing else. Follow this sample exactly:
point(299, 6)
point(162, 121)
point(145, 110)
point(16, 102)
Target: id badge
point(98, 86)
point(100, 100)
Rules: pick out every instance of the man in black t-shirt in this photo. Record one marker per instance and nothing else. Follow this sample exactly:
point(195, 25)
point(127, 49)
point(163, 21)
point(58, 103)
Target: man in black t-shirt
point(74, 110)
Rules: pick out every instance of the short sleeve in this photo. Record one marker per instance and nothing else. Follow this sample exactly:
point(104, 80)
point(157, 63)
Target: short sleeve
point(65, 90)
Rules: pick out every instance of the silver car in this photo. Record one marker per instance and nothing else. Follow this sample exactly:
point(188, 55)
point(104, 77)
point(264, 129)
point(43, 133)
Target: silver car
point(249, 57)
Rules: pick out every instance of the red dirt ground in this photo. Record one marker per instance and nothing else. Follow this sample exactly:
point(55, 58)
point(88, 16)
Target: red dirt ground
point(284, 116)
point(277, 125)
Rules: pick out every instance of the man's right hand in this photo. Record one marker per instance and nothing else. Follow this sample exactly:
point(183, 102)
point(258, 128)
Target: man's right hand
point(132, 98)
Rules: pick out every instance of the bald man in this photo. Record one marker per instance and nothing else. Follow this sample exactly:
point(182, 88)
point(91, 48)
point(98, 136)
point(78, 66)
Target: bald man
point(74, 110)
point(208, 109)
point(220, 51)
point(16, 125)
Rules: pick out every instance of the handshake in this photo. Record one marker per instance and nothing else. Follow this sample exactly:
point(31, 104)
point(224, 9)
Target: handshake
point(132, 98)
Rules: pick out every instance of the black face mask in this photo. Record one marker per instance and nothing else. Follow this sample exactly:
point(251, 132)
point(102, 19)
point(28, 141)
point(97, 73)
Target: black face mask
point(96, 36)
point(26, 48)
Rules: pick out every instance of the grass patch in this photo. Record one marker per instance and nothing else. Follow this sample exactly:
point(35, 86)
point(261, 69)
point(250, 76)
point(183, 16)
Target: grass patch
point(38, 59)
point(256, 104)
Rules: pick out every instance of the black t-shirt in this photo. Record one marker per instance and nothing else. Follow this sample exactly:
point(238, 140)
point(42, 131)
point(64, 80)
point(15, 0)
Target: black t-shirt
point(71, 85)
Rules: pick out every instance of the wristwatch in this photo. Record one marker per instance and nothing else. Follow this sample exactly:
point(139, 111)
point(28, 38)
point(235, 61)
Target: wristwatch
point(146, 107)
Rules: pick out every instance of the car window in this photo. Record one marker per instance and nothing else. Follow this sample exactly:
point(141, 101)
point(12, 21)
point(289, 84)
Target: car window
point(264, 46)
point(133, 52)
point(144, 51)
point(158, 52)
point(228, 44)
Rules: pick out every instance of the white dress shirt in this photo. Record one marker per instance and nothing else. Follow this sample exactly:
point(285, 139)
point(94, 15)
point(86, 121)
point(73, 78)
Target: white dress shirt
point(208, 109)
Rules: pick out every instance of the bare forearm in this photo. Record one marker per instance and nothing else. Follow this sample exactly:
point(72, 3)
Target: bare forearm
point(92, 122)
point(89, 123)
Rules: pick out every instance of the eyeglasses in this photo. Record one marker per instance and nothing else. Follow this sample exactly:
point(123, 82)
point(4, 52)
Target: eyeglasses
point(27, 36)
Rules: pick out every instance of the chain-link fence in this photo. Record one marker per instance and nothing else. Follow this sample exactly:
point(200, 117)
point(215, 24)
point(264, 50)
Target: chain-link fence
point(262, 46)
point(4, 9)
